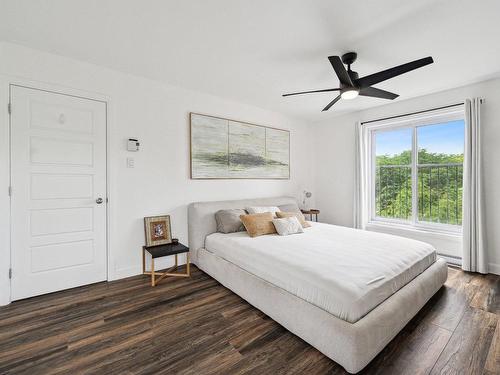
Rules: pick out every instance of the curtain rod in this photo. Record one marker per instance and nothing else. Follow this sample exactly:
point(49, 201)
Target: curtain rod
point(413, 113)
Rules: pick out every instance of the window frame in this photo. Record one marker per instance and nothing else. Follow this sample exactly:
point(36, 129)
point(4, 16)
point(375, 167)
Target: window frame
point(412, 122)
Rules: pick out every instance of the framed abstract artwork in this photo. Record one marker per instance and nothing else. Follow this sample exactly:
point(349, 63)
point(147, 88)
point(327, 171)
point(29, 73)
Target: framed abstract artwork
point(228, 149)
point(157, 230)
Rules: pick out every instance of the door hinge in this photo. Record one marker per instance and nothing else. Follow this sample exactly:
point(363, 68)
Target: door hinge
point(9, 108)
point(10, 273)
point(10, 191)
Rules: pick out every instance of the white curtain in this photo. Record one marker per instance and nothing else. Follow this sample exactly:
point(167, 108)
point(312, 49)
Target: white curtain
point(361, 186)
point(474, 247)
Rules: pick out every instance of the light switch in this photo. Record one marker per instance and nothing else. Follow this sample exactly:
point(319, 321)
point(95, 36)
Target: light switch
point(130, 163)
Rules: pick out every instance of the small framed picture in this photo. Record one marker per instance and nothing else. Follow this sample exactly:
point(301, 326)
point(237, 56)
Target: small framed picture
point(157, 229)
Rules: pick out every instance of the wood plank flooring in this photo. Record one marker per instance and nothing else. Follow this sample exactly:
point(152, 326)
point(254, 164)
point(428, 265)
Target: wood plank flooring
point(196, 326)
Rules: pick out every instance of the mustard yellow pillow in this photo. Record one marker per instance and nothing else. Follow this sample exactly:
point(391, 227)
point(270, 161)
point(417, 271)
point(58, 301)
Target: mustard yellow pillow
point(258, 224)
point(298, 215)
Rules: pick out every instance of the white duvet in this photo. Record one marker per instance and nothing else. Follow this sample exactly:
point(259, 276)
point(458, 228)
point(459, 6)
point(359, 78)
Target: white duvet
point(344, 271)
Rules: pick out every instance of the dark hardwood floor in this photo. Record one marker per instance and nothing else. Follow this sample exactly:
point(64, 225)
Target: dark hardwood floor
point(196, 326)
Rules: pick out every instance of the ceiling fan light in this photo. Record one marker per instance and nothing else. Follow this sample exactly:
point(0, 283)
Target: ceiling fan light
point(349, 94)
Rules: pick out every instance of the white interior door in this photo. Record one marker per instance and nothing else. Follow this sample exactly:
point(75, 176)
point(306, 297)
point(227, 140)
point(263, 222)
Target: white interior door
point(58, 178)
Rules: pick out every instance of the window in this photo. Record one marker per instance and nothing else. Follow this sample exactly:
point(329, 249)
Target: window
point(417, 170)
point(393, 185)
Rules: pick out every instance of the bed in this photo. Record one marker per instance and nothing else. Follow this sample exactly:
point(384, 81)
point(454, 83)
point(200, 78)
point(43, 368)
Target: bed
point(344, 291)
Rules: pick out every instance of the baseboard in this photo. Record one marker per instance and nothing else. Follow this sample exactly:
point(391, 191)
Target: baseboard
point(122, 273)
point(494, 268)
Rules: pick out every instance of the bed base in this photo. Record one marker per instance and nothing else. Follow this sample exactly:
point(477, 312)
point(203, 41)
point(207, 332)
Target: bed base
point(352, 345)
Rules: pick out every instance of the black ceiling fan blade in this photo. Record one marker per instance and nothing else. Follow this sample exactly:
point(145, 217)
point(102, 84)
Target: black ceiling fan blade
point(309, 92)
point(340, 70)
point(377, 93)
point(375, 78)
point(331, 103)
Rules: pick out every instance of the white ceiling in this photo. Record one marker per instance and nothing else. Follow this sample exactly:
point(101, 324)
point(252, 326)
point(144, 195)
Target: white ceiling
point(255, 50)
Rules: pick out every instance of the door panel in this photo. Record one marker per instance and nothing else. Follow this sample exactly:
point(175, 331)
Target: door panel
point(61, 151)
point(46, 115)
point(61, 186)
point(61, 255)
point(58, 170)
point(61, 220)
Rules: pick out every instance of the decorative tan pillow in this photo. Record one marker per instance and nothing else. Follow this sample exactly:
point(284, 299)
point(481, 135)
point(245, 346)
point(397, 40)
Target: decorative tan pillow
point(262, 209)
point(258, 224)
point(228, 221)
point(287, 226)
point(298, 215)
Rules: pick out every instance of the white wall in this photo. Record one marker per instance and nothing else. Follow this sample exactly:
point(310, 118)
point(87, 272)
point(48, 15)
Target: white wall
point(158, 115)
point(334, 159)
point(322, 154)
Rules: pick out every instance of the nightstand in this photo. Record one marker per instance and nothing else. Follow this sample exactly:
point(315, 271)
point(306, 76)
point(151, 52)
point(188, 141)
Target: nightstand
point(311, 212)
point(162, 251)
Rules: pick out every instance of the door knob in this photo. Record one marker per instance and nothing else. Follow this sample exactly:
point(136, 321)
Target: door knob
point(99, 200)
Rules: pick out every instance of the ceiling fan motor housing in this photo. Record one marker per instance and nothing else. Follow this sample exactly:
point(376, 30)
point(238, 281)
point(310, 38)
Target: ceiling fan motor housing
point(354, 76)
point(349, 58)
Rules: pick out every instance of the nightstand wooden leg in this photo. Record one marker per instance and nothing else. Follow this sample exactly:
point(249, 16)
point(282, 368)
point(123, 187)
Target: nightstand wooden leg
point(143, 260)
point(176, 265)
point(188, 269)
point(152, 271)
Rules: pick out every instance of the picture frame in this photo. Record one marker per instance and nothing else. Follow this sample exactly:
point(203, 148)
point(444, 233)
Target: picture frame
point(223, 148)
point(157, 230)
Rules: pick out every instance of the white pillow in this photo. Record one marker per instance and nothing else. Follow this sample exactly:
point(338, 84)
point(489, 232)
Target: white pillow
point(288, 225)
point(262, 209)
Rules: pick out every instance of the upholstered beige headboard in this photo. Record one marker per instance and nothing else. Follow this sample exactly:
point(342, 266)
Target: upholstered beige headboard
point(201, 217)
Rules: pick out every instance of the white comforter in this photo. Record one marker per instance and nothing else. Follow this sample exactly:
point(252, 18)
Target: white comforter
point(344, 271)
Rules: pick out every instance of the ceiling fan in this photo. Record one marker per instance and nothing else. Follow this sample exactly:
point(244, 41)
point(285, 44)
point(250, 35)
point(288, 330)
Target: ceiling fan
point(351, 85)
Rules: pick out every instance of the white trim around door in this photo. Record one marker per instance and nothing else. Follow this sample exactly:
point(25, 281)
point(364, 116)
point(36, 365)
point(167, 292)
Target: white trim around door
point(5, 174)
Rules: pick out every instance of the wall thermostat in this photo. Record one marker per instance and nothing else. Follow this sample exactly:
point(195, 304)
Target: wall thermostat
point(133, 144)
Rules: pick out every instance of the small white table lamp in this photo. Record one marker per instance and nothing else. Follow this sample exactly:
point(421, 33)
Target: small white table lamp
point(306, 195)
